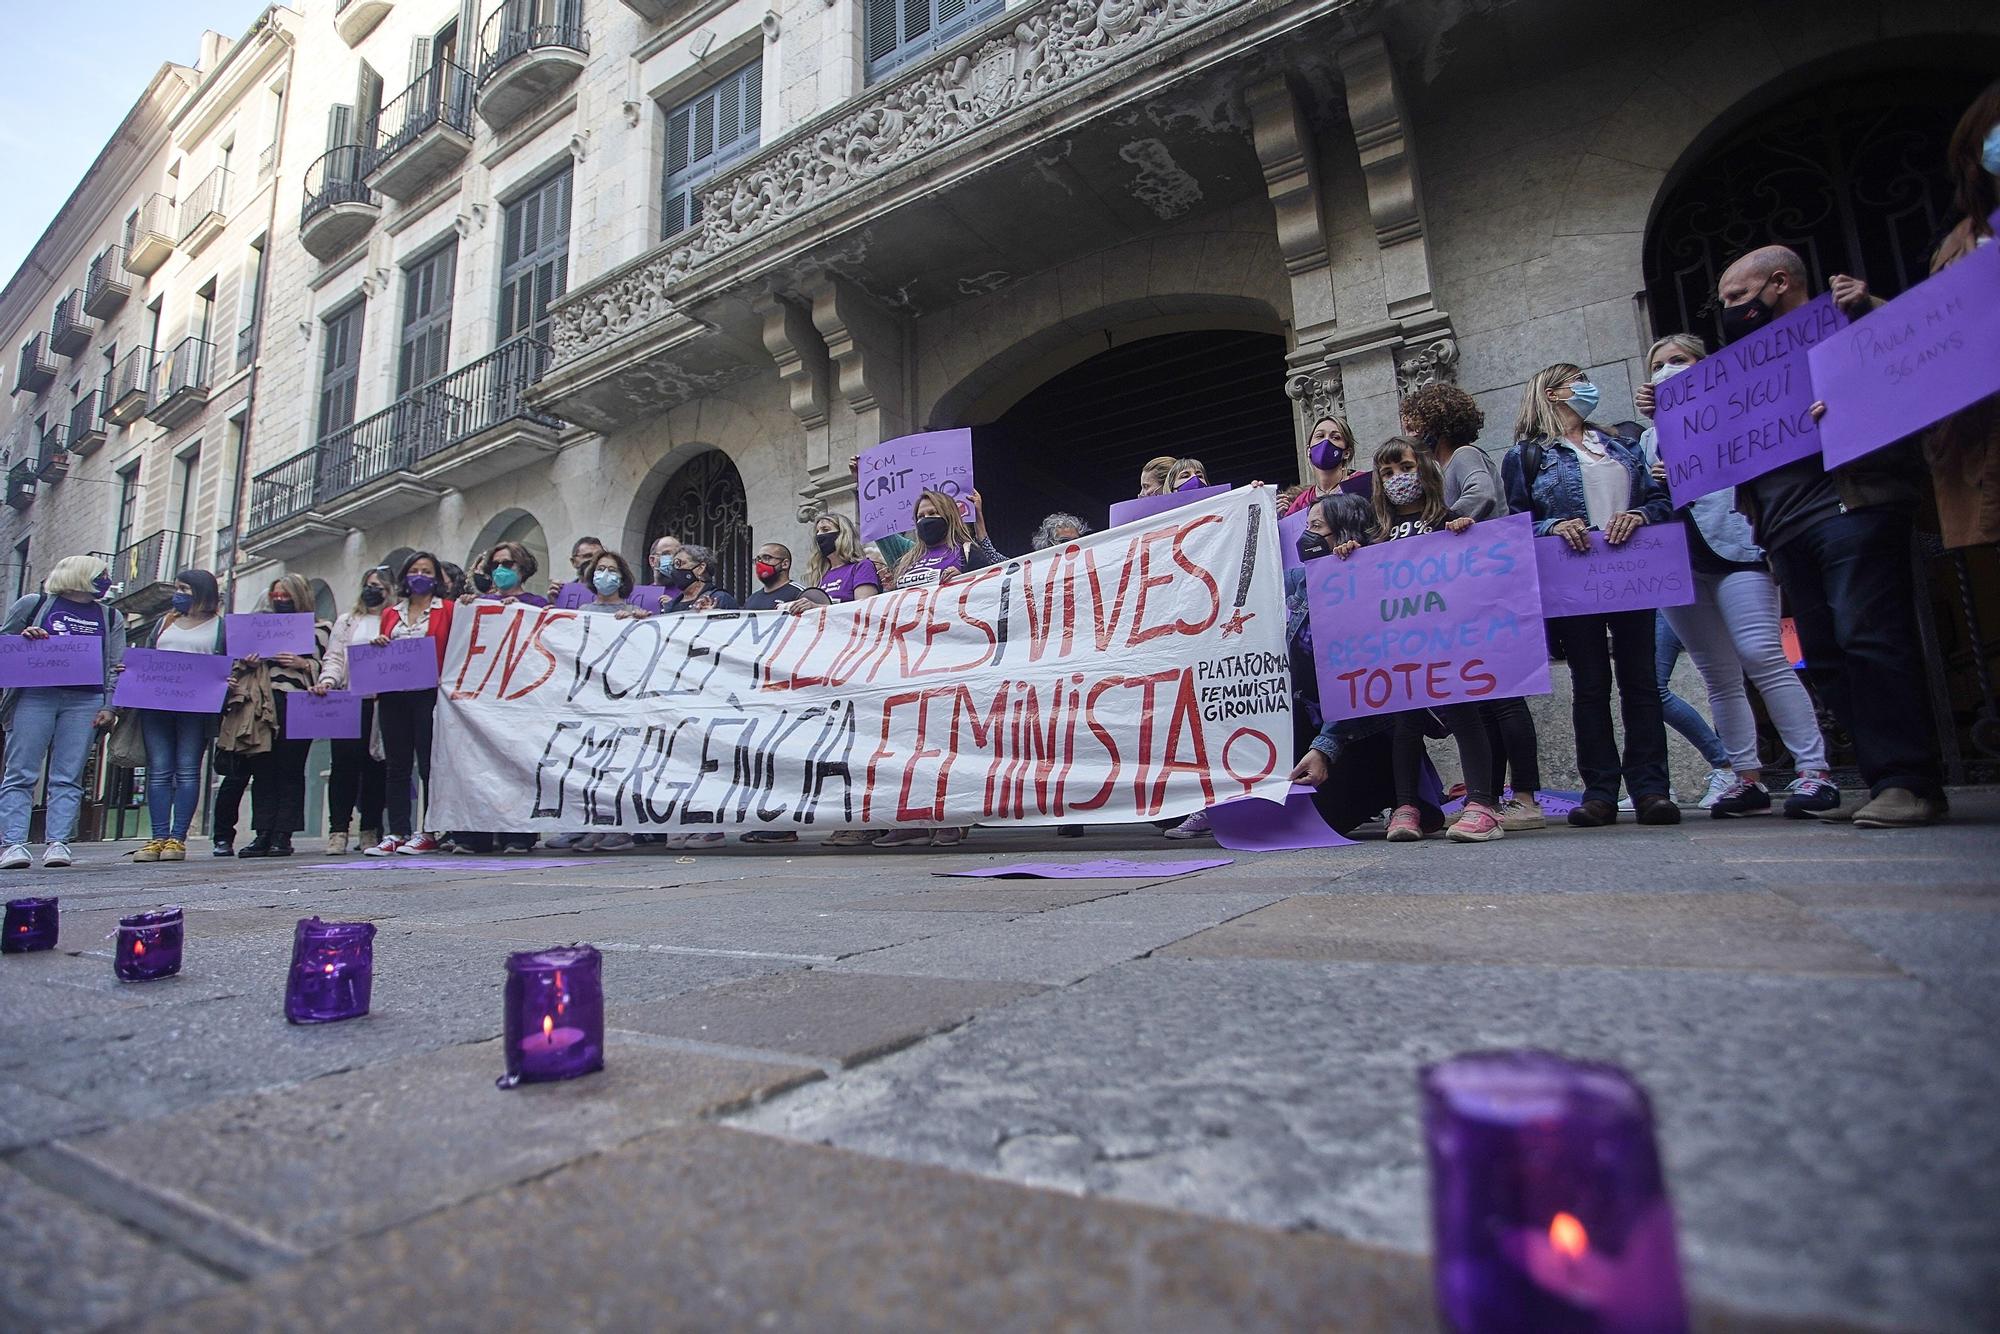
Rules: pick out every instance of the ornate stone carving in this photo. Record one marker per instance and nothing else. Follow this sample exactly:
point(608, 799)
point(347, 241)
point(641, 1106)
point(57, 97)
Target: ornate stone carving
point(1052, 45)
point(1318, 395)
point(1435, 362)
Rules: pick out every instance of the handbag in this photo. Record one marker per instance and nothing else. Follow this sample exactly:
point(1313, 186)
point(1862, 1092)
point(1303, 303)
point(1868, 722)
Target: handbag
point(127, 747)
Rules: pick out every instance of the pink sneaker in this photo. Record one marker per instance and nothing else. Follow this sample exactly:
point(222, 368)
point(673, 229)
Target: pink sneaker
point(1477, 823)
point(1405, 826)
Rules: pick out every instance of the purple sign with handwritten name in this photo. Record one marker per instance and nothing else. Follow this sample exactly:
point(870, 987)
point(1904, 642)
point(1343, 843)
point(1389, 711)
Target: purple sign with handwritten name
point(573, 595)
point(1649, 570)
point(336, 715)
point(1446, 618)
point(400, 664)
point(1257, 824)
point(268, 633)
point(648, 597)
point(1747, 409)
point(1109, 868)
point(59, 660)
point(892, 475)
point(1932, 351)
point(1145, 507)
point(173, 682)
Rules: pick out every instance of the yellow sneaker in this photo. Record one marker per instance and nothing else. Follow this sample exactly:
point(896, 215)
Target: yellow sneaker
point(173, 851)
point(151, 852)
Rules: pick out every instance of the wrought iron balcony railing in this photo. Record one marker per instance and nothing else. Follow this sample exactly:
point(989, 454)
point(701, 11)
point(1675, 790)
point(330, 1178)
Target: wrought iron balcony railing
point(86, 421)
point(477, 397)
point(153, 559)
point(205, 202)
point(442, 95)
point(520, 27)
point(152, 221)
point(336, 178)
point(38, 368)
point(128, 387)
point(180, 381)
point(52, 455)
point(106, 286)
point(70, 329)
point(276, 494)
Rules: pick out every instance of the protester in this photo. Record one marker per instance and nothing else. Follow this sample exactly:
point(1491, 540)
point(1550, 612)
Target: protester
point(1839, 543)
point(583, 555)
point(505, 570)
point(688, 579)
point(773, 568)
point(354, 782)
point(452, 581)
point(660, 557)
point(1187, 474)
point(1732, 630)
point(1330, 450)
point(277, 768)
point(1963, 450)
point(1057, 530)
point(176, 743)
point(1575, 480)
point(944, 545)
point(55, 725)
point(1153, 476)
point(837, 566)
point(1681, 714)
point(405, 716)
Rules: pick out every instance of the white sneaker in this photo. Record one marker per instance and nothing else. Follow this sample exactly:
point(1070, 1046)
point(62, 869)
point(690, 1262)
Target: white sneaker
point(1195, 826)
point(1719, 782)
point(16, 858)
point(564, 841)
point(336, 843)
point(613, 842)
point(57, 854)
point(587, 843)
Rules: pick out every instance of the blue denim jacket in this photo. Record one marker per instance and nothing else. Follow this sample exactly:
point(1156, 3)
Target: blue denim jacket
point(1558, 491)
point(1724, 527)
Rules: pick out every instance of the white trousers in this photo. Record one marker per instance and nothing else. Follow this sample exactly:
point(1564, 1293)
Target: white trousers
point(1731, 632)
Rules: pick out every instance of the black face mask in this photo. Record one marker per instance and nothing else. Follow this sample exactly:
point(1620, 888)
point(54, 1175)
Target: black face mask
point(931, 531)
point(482, 581)
point(676, 577)
point(1313, 545)
point(1741, 321)
point(281, 605)
point(826, 542)
point(373, 596)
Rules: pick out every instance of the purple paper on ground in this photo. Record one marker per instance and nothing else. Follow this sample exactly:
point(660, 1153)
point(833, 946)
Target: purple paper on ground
point(1108, 868)
point(891, 476)
point(1932, 351)
point(1256, 824)
point(59, 660)
point(335, 715)
point(1441, 619)
point(173, 682)
point(400, 664)
point(574, 595)
point(269, 632)
point(1145, 507)
point(1649, 570)
point(1747, 409)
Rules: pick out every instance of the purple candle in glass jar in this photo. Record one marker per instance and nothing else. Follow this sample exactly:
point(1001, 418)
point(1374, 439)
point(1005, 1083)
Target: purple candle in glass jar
point(1549, 1211)
point(333, 971)
point(30, 925)
point(555, 1015)
point(149, 945)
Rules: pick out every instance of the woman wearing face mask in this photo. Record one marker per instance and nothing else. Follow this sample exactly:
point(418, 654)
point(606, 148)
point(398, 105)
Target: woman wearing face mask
point(1963, 450)
point(1574, 481)
point(176, 743)
point(405, 715)
point(502, 575)
point(945, 547)
point(276, 763)
point(354, 779)
point(1330, 449)
point(689, 582)
point(54, 725)
point(1187, 475)
point(837, 566)
point(1731, 630)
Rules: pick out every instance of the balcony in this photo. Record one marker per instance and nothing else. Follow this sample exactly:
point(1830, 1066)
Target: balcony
point(528, 51)
point(106, 288)
point(339, 207)
point(180, 383)
point(21, 484)
point(653, 11)
point(38, 369)
point(355, 19)
point(86, 423)
point(362, 476)
point(202, 216)
point(282, 523)
point(142, 575)
point(52, 455)
point(149, 236)
point(422, 134)
point(473, 425)
point(71, 330)
point(129, 387)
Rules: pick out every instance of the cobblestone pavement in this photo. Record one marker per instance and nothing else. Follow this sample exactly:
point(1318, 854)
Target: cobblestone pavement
point(844, 1093)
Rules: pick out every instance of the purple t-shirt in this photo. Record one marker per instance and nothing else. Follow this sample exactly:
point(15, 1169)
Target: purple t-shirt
point(839, 584)
point(931, 566)
point(73, 618)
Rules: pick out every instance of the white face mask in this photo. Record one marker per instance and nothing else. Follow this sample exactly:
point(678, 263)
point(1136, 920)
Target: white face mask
point(1670, 370)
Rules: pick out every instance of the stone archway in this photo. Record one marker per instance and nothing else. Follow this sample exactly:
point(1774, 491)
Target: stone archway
point(514, 525)
point(703, 502)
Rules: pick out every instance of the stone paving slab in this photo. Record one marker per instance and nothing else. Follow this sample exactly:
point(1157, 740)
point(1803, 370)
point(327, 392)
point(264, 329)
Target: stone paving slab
point(1001, 896)
point(349, 1154)
point(63, 1267)
point(841, 1017)
point(728, 924)
point(31, 1116)
point(713, 1229)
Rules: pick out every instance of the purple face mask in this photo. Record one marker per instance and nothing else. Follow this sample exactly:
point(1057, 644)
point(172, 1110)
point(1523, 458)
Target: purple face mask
point(1326, 455)
point(1191, 484)
point(420, 585)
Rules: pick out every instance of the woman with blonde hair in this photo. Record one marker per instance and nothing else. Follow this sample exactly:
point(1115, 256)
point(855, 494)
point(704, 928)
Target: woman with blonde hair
point(1153, 477)
point(278, 771)
point(54, 725)
point(837, 566)
point(1330, 450)
point(945, 546)
point(1187, 474)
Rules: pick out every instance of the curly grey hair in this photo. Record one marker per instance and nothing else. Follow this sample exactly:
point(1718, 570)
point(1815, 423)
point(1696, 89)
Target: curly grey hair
point(1045, 536)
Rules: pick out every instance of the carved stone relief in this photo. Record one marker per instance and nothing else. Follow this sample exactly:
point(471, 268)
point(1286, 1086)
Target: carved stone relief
point(1435, 362)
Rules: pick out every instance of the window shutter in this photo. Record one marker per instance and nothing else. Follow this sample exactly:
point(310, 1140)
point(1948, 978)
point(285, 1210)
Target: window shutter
point(420, 58)
point(339, 127)
point(916, 19)
point(879, 29)
point(715, 127)
point(753, 99)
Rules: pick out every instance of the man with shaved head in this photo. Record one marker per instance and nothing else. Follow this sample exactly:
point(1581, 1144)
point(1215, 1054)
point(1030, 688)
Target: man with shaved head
point(1839, 544)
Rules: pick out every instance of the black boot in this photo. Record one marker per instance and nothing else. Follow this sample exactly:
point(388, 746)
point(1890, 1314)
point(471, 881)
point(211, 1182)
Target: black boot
point(259, 846)
point(281, 846)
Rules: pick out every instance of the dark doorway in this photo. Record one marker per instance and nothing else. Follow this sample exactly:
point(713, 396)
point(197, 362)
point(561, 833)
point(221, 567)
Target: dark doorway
point(703, 503)
point(1077, 442)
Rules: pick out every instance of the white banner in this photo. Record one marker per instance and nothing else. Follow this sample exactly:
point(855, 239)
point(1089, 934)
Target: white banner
point(1136, 674)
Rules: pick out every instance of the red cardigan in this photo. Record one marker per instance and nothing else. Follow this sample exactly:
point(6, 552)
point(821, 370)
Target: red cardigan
point(440, 626)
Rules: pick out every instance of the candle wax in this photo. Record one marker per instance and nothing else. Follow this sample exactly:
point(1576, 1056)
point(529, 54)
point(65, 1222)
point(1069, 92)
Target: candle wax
point(552, 1043)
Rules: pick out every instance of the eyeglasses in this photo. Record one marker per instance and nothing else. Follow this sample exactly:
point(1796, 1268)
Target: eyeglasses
point(503, 564)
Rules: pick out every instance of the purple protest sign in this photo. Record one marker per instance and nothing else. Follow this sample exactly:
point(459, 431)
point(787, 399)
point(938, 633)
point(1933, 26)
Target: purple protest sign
point(1109, 868)
point(1440, 619)
point(401, 664)
point(267, 633)
point(1649, 570)
point(59, 660)
point(1145, 507)
point(572, 596)
point(1289, 529)
point(648, 597)
point(890, 477)
point(1932, 351)
point(335, 715)
point(1745, 410)
point(173, 682)
point(1255, 824)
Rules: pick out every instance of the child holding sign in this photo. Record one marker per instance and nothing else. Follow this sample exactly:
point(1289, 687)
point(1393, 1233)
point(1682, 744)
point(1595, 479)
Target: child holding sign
point(1409, 502)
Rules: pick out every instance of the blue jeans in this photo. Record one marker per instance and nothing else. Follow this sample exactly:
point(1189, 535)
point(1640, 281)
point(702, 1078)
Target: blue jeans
point(175, 743)
point(1682, 716)
point(55, 722)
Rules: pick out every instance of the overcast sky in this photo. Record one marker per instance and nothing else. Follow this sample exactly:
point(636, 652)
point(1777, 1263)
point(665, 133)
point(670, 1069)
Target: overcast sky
point(69, 71)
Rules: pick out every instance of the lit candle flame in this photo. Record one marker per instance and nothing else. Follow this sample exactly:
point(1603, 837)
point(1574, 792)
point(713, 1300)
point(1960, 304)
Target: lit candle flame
point(1568, 1237)
point(548, 1026)
point(138, 947)
point(329, 970)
